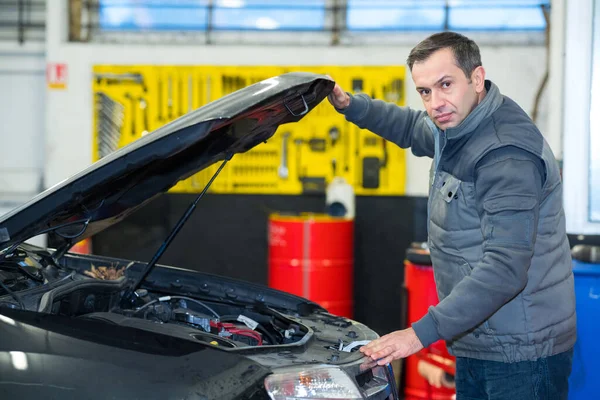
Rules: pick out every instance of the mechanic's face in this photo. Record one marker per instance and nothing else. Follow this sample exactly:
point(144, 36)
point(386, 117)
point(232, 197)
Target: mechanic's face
point(448, 95)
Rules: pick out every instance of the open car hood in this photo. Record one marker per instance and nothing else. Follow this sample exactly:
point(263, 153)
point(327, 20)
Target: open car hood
point(125, 180)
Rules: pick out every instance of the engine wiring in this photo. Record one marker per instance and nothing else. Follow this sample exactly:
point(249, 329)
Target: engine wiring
point(15, 265)
point(227, 328)
point(167, 298)
point(259, 327)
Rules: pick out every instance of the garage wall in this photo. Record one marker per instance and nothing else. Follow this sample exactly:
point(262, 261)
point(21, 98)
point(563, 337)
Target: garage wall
point(23, 126)
point(69, 139)
point(22, 107)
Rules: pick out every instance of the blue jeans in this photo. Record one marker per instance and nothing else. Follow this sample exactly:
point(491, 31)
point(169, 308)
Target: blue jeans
point(546, 378)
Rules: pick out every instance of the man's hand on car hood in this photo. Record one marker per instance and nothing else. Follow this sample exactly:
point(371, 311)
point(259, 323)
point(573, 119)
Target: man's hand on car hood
point(395, 345)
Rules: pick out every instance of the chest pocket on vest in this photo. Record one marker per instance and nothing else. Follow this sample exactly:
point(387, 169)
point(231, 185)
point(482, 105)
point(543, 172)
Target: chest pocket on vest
point(449, 186)
point(445, 202)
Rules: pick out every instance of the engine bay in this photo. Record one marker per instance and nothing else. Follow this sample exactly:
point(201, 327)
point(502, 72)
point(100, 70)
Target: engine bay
point(33, 281)
point(187, 304)
point(216, 324)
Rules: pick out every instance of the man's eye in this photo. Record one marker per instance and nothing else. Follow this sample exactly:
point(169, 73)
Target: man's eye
point(446, 85)
point(424, 92)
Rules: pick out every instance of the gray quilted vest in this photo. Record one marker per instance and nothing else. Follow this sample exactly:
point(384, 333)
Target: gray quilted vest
point(538, 322)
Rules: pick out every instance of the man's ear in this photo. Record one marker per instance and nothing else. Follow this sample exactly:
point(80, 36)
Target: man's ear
point(478, 79)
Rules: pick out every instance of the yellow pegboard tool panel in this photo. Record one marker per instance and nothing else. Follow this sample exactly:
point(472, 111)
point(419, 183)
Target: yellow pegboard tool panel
point(131, 101)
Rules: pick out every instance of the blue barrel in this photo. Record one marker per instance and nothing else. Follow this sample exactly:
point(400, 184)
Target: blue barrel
point(584, 382)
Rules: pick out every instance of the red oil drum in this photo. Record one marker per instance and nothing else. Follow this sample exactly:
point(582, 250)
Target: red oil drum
point(82, 247)
point(312, 255)
point(419, 282)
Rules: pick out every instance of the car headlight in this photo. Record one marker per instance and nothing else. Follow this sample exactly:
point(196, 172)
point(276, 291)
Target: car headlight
point(312, 383)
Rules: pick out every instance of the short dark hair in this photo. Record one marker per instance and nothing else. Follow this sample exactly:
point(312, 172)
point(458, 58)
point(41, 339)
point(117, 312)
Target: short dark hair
point(466, 51)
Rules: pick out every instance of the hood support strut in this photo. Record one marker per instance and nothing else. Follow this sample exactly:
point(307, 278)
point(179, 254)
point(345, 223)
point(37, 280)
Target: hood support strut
point(129, 295)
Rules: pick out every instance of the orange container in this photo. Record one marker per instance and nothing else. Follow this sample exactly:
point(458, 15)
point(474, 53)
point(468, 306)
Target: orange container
point(82, 247)
point(312, 255)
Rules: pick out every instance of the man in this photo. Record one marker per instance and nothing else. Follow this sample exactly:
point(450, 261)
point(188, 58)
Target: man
point(496, 228)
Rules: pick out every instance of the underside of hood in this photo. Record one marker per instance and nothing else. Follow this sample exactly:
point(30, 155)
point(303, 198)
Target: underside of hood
point(122, 182)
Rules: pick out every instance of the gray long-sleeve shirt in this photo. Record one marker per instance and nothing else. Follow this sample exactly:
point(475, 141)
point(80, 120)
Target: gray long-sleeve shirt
point(505, 175)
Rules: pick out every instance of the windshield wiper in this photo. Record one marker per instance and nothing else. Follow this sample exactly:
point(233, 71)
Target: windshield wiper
point(129, 294)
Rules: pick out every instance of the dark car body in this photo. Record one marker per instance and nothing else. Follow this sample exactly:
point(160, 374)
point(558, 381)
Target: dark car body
point(78, 326)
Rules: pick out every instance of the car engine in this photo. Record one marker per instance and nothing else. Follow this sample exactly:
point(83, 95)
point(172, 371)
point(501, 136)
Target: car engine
point(233, 328)
point(33, 281)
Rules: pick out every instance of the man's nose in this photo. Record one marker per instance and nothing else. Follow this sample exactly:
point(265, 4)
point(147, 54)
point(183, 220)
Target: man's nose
point(437, 100)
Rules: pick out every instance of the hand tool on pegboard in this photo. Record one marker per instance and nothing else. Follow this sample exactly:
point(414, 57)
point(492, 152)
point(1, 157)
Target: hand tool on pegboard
point(370, 176)
point(227, 84)
point(385, 161)
point(121, 79)
point(209, 93)
point(242, 185)
point(203, 88)
point(109, 122)
point(190, 93)
point(345, 138)
point(180, 95)
point(200, 90)
point(357, 87)
point(313, 184)
point(159, 99)
point(170, 113)
point(334, 166)
point(393, 92)
point(132, 110)
point(283, 170)
point(143, 104)
point(315, 144)
point(371, 165)
point(334, 135)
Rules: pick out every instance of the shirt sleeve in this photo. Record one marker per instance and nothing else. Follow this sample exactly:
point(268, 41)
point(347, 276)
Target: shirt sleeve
point(400, 125)
point(508, 186)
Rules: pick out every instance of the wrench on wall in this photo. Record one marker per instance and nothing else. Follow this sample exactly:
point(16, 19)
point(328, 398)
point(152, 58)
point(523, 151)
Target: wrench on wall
point(283, 170)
